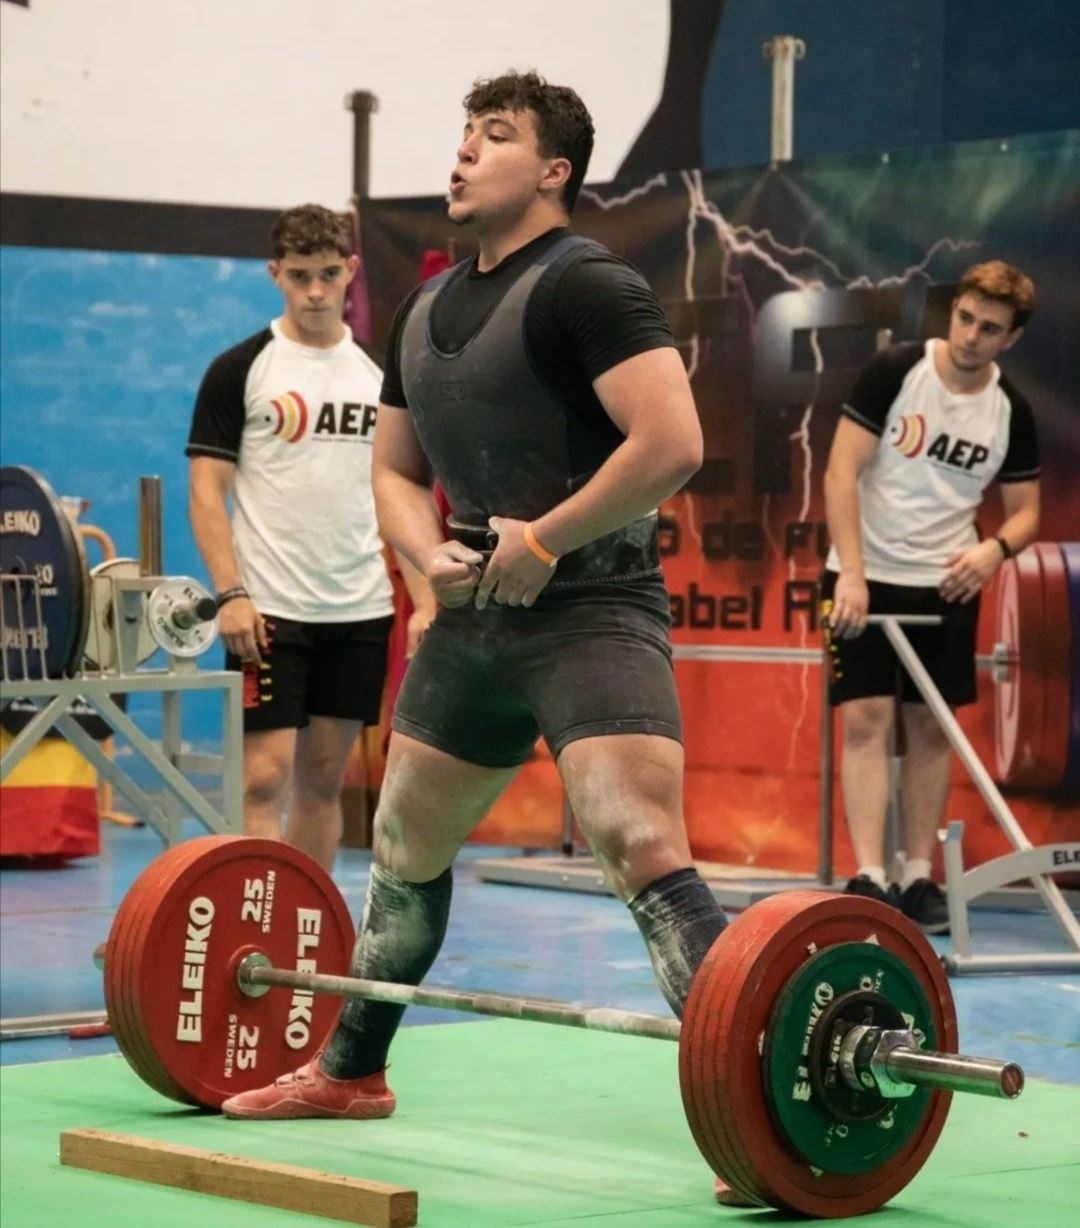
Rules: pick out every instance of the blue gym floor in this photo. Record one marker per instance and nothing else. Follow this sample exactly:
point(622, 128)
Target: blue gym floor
point(518, 940)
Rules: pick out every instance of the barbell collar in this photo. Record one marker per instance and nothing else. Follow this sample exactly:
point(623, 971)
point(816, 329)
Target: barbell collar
point(190, 614)
point(253, 974)
point(889, 1062)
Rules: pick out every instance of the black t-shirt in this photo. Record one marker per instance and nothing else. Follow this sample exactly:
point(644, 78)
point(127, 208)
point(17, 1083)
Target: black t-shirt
point(582, 320)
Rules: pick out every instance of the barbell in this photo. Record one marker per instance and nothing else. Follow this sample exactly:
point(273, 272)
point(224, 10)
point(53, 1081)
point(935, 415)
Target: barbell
point(817, 1049)
point(47, 614)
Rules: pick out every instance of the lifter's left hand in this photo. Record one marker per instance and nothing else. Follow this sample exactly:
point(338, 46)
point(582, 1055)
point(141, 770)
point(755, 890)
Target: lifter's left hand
point(513, 575)
point(970, 570)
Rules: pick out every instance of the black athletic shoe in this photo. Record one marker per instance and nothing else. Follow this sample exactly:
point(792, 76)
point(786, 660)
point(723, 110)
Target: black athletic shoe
point(863, 884)
point(924, 903)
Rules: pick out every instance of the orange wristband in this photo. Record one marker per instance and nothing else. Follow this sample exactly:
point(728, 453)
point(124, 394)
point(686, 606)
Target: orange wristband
point(545, 556)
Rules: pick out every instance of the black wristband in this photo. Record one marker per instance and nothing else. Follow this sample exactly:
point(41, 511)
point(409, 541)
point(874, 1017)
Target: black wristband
point(230, 594)
point(1006, 549)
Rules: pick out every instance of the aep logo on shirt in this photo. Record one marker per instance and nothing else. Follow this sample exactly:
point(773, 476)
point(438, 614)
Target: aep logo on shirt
point(957, 453)
point(351, 418)
point(292, 416)
point(908, 434)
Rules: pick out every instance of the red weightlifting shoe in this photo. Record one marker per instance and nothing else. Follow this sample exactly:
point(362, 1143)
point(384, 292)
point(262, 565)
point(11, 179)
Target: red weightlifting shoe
point(727, 1197)
point(309, 1092)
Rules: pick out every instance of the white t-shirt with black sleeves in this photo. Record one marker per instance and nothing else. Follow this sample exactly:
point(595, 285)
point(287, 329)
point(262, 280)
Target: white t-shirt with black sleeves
point(938, 451)
point(299, 421)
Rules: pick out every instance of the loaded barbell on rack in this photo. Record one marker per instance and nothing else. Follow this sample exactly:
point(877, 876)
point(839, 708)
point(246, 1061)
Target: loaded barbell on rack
point(817, 1051)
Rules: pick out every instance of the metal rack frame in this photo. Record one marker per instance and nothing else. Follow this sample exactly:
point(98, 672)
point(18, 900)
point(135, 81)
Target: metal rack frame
point(96, 686)
point(169, 762)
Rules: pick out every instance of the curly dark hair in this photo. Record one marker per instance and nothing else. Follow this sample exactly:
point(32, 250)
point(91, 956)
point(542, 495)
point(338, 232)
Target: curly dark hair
point(564, 127)
point(307, 229)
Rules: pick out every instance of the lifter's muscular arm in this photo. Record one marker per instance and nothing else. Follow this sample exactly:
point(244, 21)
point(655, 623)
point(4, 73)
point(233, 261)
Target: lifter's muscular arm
point(852, 448)
point(210, 482)
point(648, 397)
point(407, 515)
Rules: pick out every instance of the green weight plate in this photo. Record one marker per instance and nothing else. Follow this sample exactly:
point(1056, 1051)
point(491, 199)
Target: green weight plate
point(835, 1128)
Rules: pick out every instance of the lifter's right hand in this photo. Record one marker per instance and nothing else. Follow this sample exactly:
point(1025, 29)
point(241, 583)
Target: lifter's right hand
point(851, 603)
point(453, 571)
point(243, 631)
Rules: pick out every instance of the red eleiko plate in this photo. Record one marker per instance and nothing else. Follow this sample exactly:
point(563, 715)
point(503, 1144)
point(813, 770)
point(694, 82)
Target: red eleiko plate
point(1056, 663)
point(1020, 702)
point(151, 883)
point(724, 1024)
point(126, 926)
point(188, 1028)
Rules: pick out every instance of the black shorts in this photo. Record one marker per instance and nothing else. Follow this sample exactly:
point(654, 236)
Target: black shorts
point(868, 666)
point(315, 669)
point(485, 684)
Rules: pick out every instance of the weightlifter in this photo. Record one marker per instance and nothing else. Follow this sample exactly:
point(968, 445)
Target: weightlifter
point(538, 382)
point(284, 425)
point(927, 428)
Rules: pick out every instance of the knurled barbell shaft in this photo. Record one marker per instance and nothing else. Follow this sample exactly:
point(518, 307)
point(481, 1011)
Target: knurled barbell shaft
point(538, 1010)
point(981, 1076)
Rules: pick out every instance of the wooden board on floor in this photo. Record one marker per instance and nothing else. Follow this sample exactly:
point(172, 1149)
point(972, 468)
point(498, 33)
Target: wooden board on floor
point(212, 1172)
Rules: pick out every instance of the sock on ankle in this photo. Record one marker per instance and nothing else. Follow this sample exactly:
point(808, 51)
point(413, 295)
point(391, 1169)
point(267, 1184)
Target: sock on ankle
point(679, 919)
point(875, 874)
point(915, 867)
point(400, 934)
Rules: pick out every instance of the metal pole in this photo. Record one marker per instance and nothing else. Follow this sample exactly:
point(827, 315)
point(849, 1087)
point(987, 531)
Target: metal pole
point(957, 739)
point(567, 827)
point(1037, 961)
point(955, 1073)
point(783, 50)
point(150, 551)
point(954, 883)
point(825, 785)
point(363, 104)
point(232, 756)
point(538, 1010)
point(771, 654)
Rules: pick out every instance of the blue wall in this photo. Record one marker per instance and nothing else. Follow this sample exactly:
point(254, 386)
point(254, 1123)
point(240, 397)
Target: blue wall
point(880, 76)
point(102, 355)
